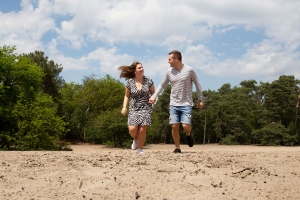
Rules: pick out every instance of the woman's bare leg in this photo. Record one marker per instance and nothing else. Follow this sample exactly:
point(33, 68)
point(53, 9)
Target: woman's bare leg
point(141, 136)
point(133, 131)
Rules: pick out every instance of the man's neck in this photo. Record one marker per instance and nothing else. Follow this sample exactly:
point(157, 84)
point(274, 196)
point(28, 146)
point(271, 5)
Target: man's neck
point(179, 66)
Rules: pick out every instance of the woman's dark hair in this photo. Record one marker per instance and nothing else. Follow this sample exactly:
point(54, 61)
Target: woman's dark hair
point(127, 72)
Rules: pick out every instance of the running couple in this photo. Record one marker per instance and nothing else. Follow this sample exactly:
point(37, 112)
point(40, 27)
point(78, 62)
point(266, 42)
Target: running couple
point(140, 90)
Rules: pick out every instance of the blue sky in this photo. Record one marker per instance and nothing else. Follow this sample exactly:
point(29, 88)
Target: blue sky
point(225, 41)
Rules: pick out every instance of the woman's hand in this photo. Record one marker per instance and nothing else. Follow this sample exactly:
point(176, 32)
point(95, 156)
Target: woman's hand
point(123, 111)
point(152, 100)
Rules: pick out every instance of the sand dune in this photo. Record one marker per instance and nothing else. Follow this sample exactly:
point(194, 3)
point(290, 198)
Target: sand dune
point(200, 172)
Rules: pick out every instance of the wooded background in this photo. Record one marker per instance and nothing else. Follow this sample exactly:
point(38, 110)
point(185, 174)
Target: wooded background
point(40, 111)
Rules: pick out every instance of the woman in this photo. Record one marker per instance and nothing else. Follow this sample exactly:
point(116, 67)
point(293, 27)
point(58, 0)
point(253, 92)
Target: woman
point(139, 89)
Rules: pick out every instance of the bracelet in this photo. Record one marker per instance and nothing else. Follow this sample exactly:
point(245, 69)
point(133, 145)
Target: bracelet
point(124, 107)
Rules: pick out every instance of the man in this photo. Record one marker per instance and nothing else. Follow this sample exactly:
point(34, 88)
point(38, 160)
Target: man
point(181, 77)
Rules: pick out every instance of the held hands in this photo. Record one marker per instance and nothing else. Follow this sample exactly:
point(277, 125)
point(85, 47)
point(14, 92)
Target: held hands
point(152, 100)
point(201, 105)
point(123, 111)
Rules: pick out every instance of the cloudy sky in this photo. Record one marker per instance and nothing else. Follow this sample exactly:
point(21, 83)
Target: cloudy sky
point(225, 41)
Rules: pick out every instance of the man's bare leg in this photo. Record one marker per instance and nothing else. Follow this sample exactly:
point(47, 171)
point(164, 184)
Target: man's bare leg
point(187, 129)
point(175, 135)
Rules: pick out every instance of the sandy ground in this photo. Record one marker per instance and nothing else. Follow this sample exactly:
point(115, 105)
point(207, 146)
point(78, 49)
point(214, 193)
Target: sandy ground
point(200, 172)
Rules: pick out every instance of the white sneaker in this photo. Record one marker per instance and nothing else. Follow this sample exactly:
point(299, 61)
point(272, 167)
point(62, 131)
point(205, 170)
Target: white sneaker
point(140, 151)
point(134, 144)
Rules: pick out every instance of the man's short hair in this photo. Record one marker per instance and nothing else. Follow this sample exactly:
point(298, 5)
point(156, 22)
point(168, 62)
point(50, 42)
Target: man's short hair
point(176, 54)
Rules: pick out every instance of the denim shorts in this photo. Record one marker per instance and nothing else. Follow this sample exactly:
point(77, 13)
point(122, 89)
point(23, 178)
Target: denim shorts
point(180, 114)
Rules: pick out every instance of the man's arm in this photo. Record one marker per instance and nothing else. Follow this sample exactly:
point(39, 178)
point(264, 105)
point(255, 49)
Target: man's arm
point(198, 89)
point(159, 89)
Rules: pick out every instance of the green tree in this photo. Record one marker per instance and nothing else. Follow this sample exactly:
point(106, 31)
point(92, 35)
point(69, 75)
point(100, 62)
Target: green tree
point(160, 131)
point(28, 119)
point(17, 76)
point(72, 110)
point(198, 121)
point(232, 110)
point(39, 128)
point(109, 128)
point(82, 104)
point(274, 134)
point(280, 99)
point(296, 115)
point(52, 82)
point(203, 120)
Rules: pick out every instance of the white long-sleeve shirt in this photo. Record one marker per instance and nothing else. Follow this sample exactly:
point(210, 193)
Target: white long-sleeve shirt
point(181, 86)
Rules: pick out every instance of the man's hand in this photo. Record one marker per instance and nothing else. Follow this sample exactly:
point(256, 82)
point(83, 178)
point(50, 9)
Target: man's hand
point(201, 105)
point(152, 100)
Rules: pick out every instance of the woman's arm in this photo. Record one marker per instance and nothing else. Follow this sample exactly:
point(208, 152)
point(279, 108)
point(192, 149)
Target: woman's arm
point(152, 89)
point(125, 101)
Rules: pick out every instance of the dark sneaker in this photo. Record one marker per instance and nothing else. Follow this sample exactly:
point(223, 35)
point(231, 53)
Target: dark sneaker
point(190, 140)
point(177, 150)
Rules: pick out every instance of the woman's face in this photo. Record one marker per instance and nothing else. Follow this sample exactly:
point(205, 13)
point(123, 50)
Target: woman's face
point(139, 70)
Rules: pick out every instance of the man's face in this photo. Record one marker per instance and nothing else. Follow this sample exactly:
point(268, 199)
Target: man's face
point(172, 60)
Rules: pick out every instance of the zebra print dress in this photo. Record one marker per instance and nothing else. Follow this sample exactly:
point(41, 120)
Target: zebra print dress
point(140, 110)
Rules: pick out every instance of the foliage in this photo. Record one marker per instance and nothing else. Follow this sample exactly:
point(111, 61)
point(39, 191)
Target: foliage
point(110, 127)
point(18, 76)
point(231, 114)
point(274, 134)
point(82, 104)
point(38, 109)
point(39, 128)
point(231, 110)
point(160, 131)
point(72, 111)
point(28, 119)
point(280, 99)
point(229, 140)
point(52, 82)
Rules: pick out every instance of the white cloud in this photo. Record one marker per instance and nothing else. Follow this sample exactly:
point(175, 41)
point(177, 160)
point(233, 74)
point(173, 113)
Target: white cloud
point(156, 67)
point(136, 21)
point(67, 62)
point(154, 21)
point(267, 58)
point(26, 28)
point(149, 22)
point(177, 42)
point(109, 59)
point(224, 30)
point(184, 25)
point(101, 60)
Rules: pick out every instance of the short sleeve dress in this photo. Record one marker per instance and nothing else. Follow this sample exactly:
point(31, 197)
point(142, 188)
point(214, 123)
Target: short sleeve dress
point(140, 110)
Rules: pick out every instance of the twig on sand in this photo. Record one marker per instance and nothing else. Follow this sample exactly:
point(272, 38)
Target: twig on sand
point(239, 171)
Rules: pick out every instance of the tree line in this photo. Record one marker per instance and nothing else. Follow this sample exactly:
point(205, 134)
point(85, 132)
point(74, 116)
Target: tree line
point(40, 111)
